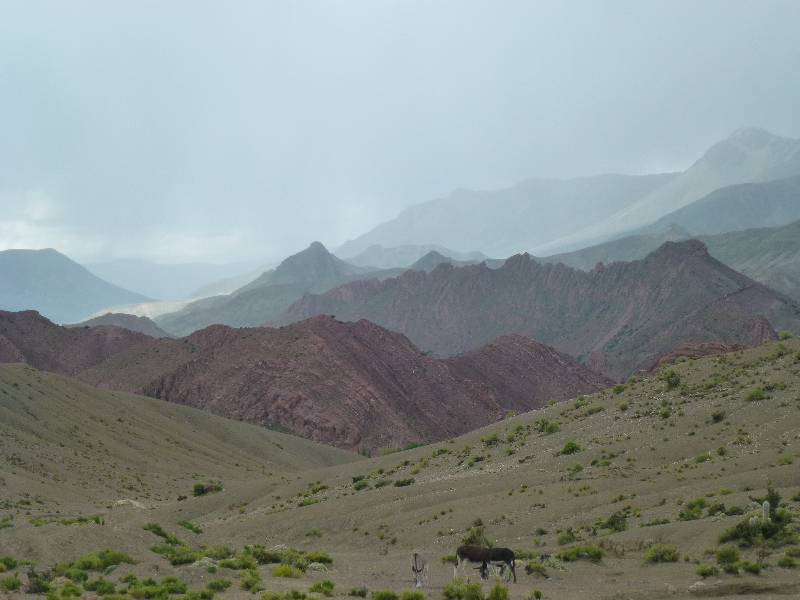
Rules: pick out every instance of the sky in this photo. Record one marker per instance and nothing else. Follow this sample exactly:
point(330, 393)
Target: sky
point(196, 131)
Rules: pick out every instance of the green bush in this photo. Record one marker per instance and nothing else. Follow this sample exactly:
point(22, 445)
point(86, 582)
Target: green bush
point(9, 563)
point(190, 526)
point(101, 560)
point(324, 587)
point(412, 595)
point(360, 485)
point(659, 553)
point(570, 447)
point(551, 427)
point(10, 583)
point(708, 571)
point(458, 589)
point(383, 595)
point(754, 395)
point(449, 558)
point(750, 567)
point(498, 591)
point(727, 556)
point(101, 586)
point(358, 592)
point(284, 570)
point(537, 594)
point(536, 569)
point(787, 562)
point(403, 482)
point(219, 585)
point(70, 589)
point(588, 551)
point(250, 580)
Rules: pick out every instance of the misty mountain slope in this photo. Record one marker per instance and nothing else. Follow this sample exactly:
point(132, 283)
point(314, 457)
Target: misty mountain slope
point(769, 255)
point(57, 287)
point(505, 222)
point(405, 256)
point(625, 249)
point(130, 322)
point(164, 281)
point(736, 208)
point(749, 155)
point(314, 270)
point(625, 314)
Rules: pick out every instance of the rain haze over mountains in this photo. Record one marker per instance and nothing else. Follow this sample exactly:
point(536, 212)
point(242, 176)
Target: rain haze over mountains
point(210, 132)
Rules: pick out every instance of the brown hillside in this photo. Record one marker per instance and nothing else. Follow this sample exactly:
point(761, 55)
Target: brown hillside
point(342, 384)
point(514, 365)
point(27, 336)
point(626, 314)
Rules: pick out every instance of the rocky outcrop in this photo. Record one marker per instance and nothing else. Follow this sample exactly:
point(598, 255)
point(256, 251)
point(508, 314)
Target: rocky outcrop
point(630, 313)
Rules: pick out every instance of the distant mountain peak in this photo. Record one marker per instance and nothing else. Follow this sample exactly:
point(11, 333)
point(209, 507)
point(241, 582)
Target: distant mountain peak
point(753, 137)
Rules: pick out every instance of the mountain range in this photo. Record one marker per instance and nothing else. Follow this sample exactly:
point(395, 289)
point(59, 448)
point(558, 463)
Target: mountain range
point(344, 384)
point(618, 318)
point(551, 216)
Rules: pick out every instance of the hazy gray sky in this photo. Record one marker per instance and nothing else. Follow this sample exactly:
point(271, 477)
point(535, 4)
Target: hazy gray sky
point(217, 131)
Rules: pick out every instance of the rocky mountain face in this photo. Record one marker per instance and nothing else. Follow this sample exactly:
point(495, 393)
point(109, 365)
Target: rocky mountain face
point(377, 256)
point(513, 365)
point(621, 317)
point(769, 255)
point(342, 384)
point(57, 287)
point(314, 270)
point(27, 336)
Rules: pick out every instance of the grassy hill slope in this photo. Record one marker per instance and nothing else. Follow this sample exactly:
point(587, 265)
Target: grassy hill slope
point(668, 463)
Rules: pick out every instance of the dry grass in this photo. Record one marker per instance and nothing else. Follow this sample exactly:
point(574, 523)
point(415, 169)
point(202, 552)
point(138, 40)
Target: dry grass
point(70, 450)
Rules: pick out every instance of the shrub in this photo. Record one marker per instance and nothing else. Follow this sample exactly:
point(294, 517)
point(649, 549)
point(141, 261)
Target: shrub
point(190, 526)
point(10, 583)
point(101, 560)
point(319, 556)
point(536, 569)
point(498, 591)
point(787, 562)
point(693, 510)
point(659, 553)
point(360, 485)
point(284, 570)
point(671, 378)
point(537, 594)
point(249, 579)
point(324, 587)
point(403, 483)
point(727, 556)
point(359, 592)
point(476, 536)
point(570, 447)
point(70, 589)
point(412, 595)
point(750, 567)
point(449, 558)
point(588, 551)
point(9, 563)
point(101, 586)
point(708, 571)
point(383, 595)
point(201, 489)
point(551, 427)
point(458, 589)
point(756, 394)
point(219, 585)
